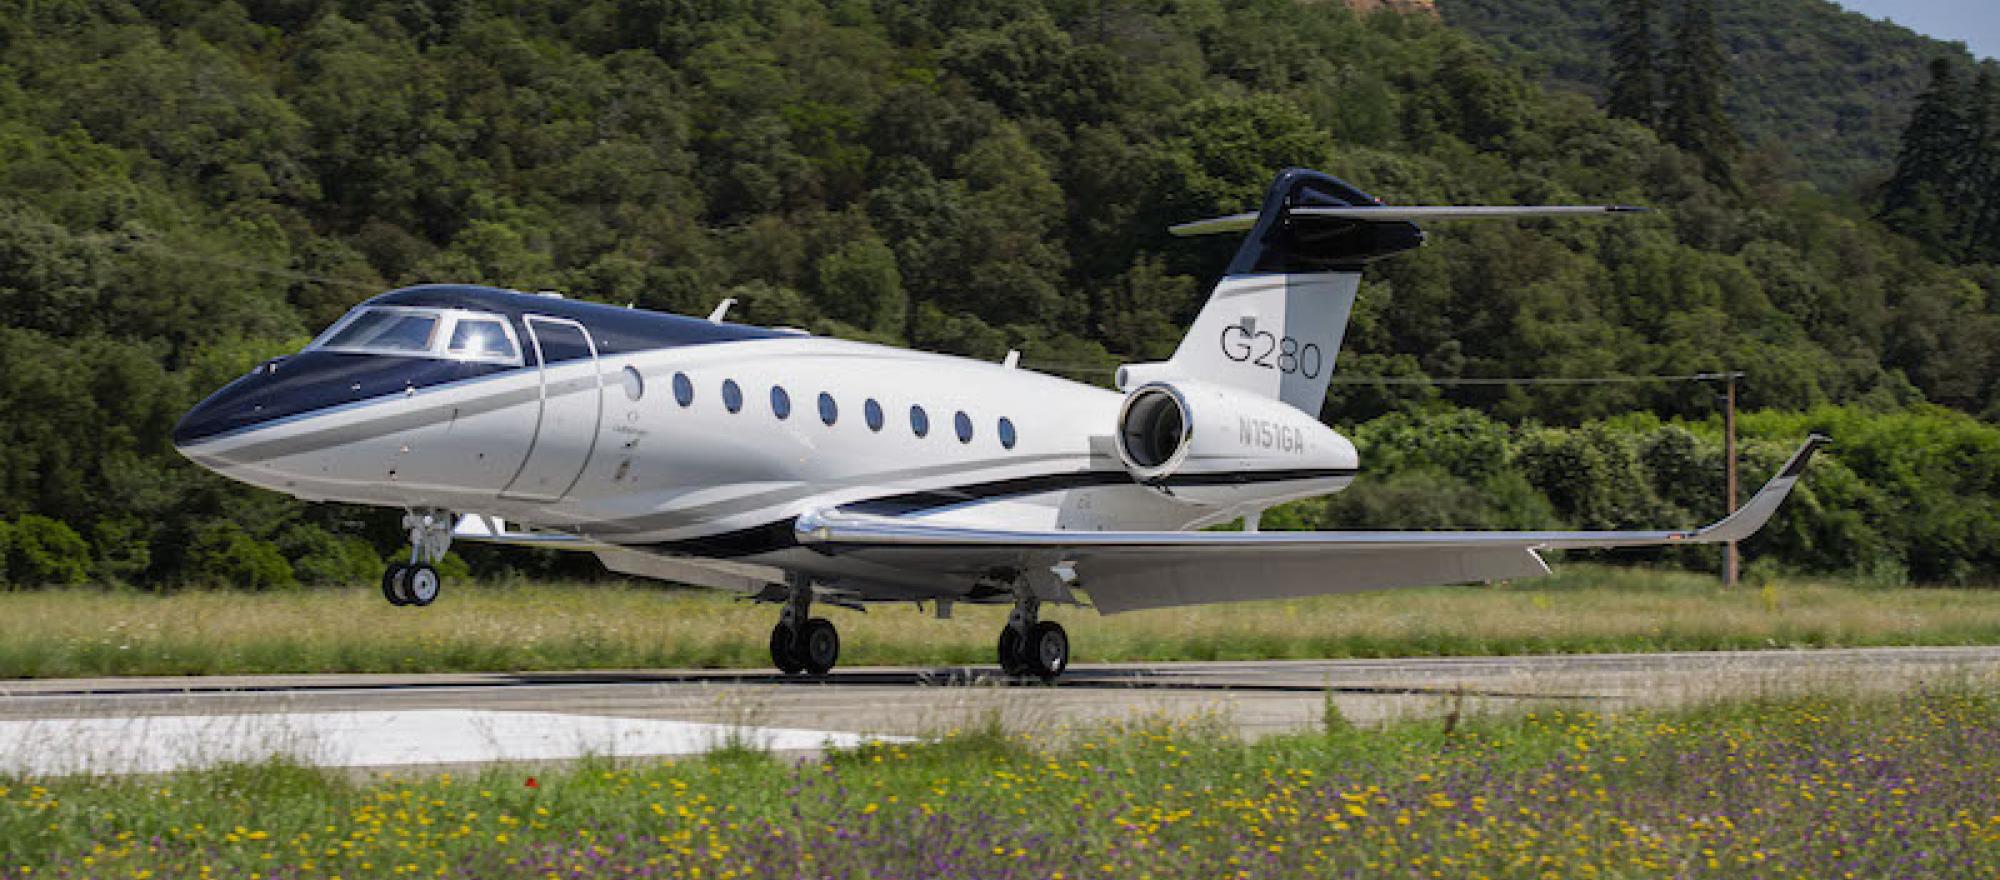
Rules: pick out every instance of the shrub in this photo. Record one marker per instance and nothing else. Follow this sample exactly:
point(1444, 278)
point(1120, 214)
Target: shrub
point(43, 552)
point(224, 555)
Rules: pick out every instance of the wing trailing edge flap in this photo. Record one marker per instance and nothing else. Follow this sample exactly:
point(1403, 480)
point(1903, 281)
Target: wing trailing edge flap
point(1126, 583)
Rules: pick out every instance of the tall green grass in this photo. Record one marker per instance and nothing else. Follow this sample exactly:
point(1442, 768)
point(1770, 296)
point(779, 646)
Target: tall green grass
point(474, 628)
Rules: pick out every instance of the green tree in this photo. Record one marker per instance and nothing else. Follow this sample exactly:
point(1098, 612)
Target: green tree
point(1919, 197)
point(1696, 76)
point(1980, 239)
point(859, 284)
point(1635, 78)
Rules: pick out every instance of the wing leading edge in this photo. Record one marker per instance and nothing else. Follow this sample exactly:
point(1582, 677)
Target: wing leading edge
point(1131, 570)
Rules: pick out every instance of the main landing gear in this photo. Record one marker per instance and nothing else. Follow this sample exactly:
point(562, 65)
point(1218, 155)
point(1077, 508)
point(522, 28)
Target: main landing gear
point(1030, 645)
point(417, 582)
point(801, 643)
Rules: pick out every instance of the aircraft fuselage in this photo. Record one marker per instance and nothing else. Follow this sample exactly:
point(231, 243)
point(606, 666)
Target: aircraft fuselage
point(683, 436)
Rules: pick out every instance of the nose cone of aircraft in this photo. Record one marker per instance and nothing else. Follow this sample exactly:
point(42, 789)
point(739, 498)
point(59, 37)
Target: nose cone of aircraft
point(233, 407)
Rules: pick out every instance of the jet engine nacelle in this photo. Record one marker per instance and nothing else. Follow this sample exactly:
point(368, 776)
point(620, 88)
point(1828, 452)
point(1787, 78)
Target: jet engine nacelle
point(1208, 444)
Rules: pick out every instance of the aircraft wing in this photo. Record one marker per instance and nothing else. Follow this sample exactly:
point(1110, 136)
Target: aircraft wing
point(1125, 571)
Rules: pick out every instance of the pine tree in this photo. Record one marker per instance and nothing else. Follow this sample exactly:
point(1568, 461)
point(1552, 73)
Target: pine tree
point(1695, 77)
point(1980, 239)
point(1932, 165)
point(1635, 87)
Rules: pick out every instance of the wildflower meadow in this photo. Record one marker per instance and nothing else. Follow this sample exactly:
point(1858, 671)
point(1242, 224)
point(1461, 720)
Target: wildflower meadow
point(1818, 787)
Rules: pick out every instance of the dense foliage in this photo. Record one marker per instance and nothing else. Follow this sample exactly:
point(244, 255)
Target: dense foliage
point(186, 188)
point(1819, 89)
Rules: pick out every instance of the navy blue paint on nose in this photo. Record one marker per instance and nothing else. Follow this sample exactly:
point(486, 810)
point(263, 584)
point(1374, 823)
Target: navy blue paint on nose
point(235, 406)
point(316, 380)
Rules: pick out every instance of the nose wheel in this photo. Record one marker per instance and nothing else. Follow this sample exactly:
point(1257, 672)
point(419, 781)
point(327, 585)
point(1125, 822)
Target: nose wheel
point(405, 584)
point(416, 583)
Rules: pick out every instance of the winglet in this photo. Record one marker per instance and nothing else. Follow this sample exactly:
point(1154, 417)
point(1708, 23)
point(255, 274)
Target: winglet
point(1752, 516)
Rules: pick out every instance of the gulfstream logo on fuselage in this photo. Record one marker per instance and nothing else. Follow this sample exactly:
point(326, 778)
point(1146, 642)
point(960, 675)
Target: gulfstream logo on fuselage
point(1265, 434)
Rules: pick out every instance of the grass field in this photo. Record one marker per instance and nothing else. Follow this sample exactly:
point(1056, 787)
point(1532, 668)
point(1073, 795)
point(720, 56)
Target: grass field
point(1581, 609)
point(1820, 787)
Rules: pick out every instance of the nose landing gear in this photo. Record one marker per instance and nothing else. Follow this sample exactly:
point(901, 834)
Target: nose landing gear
point(417, 582)
point(800, 643)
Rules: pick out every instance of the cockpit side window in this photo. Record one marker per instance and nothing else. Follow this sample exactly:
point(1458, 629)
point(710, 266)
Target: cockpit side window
point(481, 338)
point(388, 330)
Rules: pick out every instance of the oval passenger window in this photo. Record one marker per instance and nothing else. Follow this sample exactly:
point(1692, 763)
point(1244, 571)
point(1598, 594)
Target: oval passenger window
point(635, 384)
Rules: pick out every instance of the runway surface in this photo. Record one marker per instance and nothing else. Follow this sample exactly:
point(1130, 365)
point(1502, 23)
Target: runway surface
point(386, 721)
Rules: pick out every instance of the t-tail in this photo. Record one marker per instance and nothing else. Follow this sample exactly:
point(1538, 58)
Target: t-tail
point(1273, 324)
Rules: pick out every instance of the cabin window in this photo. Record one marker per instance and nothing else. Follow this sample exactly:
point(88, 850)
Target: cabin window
point(635, 384)
point(683, 389)
point(1007, 436)
point(388, 330)
point(481, 338)
point(963, 424)
point(781, 402)
point(872, 412)
point(732, 396)
point(829, 412)
point(920, 421)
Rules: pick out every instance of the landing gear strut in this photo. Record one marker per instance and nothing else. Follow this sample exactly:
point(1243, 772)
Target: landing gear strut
point(417, 582)
point(801, 643)
point(1030, 645)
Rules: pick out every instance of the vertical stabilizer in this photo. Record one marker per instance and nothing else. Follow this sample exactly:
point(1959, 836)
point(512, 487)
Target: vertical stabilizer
point(1273, 335)
point(1273, 325)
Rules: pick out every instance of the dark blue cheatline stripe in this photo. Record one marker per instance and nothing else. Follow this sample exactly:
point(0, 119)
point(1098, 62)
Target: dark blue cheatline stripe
point(1244, 478)
point(932, 499)
point(780, 535)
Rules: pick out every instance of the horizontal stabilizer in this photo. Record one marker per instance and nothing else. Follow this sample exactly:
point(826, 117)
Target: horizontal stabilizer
point(1394, 213)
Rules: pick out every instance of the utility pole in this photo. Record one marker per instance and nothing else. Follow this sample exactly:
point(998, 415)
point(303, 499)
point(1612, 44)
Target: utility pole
point(1729, 558)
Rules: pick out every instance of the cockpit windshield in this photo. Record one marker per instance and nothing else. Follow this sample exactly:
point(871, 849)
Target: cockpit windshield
point(387, 331)
point(452, 334)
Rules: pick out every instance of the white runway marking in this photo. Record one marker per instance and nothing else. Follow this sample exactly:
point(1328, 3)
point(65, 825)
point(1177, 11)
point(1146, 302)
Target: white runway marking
point(158, 743)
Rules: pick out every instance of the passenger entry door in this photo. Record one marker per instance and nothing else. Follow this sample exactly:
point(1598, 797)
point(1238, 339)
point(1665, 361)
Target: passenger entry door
point(572, 400)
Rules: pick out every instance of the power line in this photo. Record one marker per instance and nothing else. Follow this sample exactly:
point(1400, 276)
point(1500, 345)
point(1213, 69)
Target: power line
point(1529, 380)
point(1340, 379)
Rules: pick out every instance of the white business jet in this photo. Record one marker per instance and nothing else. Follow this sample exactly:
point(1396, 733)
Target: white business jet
point(793, 468)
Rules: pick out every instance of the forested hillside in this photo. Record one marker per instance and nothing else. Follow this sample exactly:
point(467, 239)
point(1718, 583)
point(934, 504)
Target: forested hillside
point(1825, 91)
point(186, 188)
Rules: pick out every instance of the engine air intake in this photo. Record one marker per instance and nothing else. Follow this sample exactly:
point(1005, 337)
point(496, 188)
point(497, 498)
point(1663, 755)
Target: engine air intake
point(1153, 431)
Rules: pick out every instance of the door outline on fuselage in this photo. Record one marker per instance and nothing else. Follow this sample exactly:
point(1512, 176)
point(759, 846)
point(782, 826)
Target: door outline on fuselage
point(535, 443)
